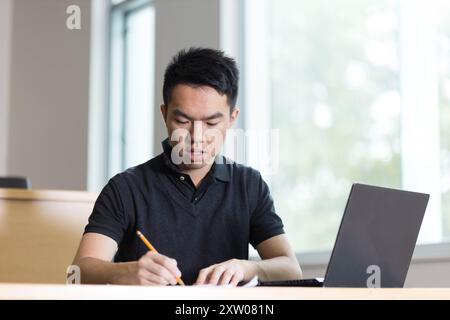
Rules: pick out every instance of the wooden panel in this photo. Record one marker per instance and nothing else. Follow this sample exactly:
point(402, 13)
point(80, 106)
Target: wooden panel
point(39, 233)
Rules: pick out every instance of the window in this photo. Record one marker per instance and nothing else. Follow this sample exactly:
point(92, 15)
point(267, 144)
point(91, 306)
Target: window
point(132, 84)
point(359, 91)
point(443, 42)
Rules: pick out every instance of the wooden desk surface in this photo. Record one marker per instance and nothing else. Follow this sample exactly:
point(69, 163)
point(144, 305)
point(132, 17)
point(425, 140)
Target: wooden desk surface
point(52, 291)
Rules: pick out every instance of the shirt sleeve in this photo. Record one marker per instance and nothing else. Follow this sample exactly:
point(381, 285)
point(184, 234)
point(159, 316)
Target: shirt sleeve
point(264, 222)
point(108, 216)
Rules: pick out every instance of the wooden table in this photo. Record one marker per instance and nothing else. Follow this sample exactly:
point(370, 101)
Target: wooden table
point(52, 291)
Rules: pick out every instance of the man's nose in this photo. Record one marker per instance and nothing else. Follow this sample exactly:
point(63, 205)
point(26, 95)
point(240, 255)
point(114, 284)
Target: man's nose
point(197, 131)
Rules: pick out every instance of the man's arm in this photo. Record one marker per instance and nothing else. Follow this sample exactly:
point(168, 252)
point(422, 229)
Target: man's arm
point(95, 255)
point(279, 260)
point(279, 263)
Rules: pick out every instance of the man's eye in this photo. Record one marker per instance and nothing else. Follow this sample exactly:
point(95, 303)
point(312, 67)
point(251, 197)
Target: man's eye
point(212, 124)
point(181, 122)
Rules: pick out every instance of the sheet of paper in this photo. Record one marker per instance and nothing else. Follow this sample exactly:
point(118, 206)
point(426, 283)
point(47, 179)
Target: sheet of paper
point(252, 283)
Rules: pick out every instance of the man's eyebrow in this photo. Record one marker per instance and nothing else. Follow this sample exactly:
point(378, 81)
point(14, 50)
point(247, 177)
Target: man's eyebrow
point(216, 115)
point(181, 114)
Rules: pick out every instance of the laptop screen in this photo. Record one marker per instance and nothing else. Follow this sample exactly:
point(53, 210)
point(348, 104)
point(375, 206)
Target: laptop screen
point(376, 238)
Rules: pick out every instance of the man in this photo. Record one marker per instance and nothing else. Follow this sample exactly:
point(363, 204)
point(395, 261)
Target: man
point(197, 209)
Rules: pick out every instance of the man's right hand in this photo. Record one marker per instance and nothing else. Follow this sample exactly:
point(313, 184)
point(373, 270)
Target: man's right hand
point(95, 256)
point(152, 269)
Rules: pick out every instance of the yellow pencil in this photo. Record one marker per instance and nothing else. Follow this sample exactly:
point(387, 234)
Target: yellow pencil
point(152, 248)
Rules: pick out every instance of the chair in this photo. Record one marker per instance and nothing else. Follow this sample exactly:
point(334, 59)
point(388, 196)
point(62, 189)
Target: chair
point(15, 182)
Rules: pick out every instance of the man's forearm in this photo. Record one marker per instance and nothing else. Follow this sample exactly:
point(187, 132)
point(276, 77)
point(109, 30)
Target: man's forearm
point(97, 271)
point(279, 268)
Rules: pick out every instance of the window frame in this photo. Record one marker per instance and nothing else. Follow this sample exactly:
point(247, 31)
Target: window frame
point(117, 57)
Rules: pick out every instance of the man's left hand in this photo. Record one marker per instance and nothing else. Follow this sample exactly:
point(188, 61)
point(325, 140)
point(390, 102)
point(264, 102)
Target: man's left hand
point(228, 273)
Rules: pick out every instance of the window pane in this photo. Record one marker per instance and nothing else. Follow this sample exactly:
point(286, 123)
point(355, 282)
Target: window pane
point(334, 78)
point(114, 2)
point(444, 99)
point(139, 84)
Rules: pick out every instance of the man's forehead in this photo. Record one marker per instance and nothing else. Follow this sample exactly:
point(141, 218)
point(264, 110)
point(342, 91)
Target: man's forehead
point(197, 94)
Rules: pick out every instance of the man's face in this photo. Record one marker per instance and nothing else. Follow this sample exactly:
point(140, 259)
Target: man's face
point(197, 119)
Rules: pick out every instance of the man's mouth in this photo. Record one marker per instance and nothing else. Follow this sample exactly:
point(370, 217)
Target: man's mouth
point(197, 152)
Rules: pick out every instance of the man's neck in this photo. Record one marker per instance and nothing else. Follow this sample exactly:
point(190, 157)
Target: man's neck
point(196, 175)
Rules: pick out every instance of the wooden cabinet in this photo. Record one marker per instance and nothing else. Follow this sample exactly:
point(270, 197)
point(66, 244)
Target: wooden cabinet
point(39, 233)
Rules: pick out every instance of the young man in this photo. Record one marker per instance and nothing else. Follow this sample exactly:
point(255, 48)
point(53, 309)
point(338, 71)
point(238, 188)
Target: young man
point(198, 210)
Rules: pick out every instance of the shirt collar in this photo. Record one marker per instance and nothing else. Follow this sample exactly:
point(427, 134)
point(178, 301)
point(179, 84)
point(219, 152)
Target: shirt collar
point(219, 167)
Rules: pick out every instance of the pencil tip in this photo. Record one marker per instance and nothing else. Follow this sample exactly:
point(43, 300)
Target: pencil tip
point(138, 233)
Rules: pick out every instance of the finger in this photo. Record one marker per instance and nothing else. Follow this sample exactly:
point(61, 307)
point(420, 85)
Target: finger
point(226, 277)
point(148, 278)
point(237, 277)
point(144, 282)
point(151, 283)
point(158, 280)
point(168, 263)
point(162, 272)
point(150, 265)
point(216, 274)
point(202, 276)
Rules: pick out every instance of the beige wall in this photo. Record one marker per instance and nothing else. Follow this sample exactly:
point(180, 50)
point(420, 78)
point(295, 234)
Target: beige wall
point(49, 84)
point(181, 24)
point(49, 94)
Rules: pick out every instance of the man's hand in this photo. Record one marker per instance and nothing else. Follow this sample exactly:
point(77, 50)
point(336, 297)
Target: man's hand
point(278, 263)
point(151, 269)
point(230, 272)
point(95, 255)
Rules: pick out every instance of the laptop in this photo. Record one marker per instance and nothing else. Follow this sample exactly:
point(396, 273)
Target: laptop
point(375, 242)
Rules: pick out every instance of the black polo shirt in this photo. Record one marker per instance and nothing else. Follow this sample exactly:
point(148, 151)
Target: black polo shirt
point(198, 227)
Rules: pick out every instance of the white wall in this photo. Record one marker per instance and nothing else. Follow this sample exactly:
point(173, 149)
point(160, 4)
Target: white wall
point(5, 45)
point(98, 97)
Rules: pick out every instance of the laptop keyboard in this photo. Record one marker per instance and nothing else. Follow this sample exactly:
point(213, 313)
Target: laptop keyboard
point(292, 283)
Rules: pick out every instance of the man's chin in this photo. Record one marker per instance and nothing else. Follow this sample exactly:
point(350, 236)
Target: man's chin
point(194, 166)
point(197, 163)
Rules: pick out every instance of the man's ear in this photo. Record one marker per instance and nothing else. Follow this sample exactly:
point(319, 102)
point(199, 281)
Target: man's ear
point(163, 109)
point(234, 115)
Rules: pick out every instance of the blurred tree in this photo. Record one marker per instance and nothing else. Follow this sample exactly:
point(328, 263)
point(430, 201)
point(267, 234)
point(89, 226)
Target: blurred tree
point(335, 97)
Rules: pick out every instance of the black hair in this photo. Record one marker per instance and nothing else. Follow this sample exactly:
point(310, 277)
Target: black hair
point(203, 67)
